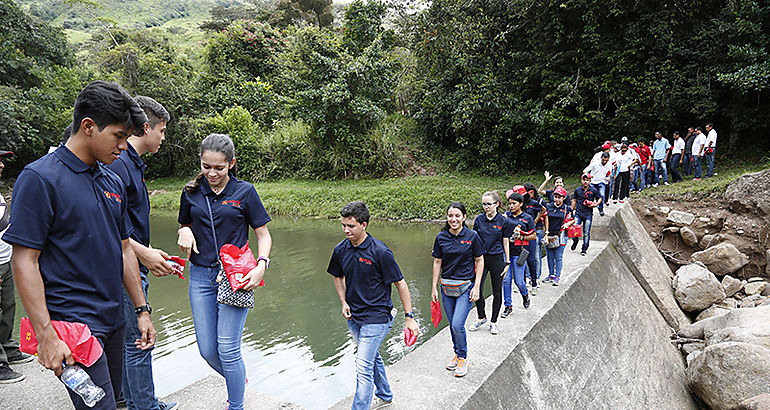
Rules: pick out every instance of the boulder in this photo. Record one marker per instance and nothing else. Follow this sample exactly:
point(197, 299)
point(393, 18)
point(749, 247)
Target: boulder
point(664, 210)
point(695, 330)
point(751, 301)
point(754, 288)
point(751, 325)
point(767, 258)
point(712, 311)
point(722, 259)
point(731, 285)
point(696, 288)
point(755, 279)
point(725, 374)
point(750, 192)
point(729, 303)
point(761, 402)
point(688, 348)
point(671, 229)
point(766, 292)
point(708, 240)
point(688, 236)
point(680, 218)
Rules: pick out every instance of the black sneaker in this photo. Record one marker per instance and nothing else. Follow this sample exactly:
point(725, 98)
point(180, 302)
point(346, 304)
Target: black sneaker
point(525, 300)
point(507, 311)
point(601, 213)
point(9, 376)
point(19, 358)
point(574, 244)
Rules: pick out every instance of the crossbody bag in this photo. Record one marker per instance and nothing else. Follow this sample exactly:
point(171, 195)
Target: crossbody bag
point(225, 294)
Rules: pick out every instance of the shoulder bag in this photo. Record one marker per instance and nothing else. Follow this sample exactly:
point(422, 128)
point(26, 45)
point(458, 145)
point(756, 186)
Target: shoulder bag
point(225, 294)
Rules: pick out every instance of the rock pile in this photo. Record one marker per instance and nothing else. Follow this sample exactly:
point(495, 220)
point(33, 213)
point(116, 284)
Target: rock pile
point(727, 348)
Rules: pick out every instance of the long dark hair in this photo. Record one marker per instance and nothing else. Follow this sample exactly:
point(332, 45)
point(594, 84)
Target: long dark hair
point(221, 143)
point(456, 205)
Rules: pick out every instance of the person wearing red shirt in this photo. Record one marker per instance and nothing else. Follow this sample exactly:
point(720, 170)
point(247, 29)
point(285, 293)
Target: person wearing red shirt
point(640, 174)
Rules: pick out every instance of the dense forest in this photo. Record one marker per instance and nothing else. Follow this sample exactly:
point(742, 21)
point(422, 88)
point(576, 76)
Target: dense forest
point(312, 89)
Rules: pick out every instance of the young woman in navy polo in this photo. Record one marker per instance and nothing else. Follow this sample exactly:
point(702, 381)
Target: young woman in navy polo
point(458, 261)
point(235, 207)
point(555, 227)
point(494, 230)
point(534, 206)
point(523, 233)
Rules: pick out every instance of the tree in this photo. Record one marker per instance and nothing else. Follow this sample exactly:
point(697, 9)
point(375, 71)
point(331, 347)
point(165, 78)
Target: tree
point(316, 12)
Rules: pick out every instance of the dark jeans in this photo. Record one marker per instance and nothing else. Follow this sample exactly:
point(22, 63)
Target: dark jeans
point(138, 387)
point(8, 347)
point(696, 166)
point(710, 163)
point(674, 167)
point(106, 372)
point(586, 222)
point(687, 164)
point(493, 265)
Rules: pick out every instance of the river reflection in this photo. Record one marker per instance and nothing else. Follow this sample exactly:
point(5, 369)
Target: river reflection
point(296, 345)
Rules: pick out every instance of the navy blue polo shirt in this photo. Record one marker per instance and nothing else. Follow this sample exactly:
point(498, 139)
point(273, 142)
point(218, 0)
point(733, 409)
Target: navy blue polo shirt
point(369, 269)
point(533, 208)
point(526, 227)
point(130, 168)
point(581, 195)
point(234, 210)
point(457, 253)
point(549, 195)
point(76, 216)
point(556, 217)
point(492, 231)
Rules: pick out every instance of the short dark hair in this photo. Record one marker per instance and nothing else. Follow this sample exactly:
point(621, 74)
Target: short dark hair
point(676, 132)
point(67, 134)
point(356, 209)
point(107, 103)
point(605, 154)
point(698, 129)
point(516, 197)
point(155, 111)
point(711, 124)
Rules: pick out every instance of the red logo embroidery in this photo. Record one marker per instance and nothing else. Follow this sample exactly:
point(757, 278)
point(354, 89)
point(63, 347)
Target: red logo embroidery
point(113, 195)
point(232, 202)
point(466, 242)
point(497, 226)
point(364, 260)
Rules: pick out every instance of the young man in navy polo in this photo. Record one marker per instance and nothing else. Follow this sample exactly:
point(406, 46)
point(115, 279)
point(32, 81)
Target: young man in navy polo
point(363, 270)
point(585, 199)
point(70, 229)
point(138, 387)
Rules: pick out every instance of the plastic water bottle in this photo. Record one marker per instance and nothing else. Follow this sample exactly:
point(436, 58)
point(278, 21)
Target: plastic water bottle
point(80, 382)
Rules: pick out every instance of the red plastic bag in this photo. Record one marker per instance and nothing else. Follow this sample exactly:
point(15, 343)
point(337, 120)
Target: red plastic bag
point(409, 337)
point(84, 346)
point(435, 313)
point(177, 264)
point(238, 262)
point(575, 231)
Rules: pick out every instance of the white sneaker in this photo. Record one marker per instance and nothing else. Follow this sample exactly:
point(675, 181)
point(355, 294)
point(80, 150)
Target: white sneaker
point(665, 183)
point(477, 325)
point(493, 329)
point(378, 403)
point(654, 185)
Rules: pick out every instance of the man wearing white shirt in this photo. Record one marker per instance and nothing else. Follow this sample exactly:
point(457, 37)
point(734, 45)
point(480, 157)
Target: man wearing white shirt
point(711, 146)
point(676, 156)
point(600, 176)
point(698, 146)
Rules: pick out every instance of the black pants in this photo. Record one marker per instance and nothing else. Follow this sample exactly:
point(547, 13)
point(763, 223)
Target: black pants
point(674, 165)
point(107, 372)
point(621, 185)
point(494, 266)
point(8, 346)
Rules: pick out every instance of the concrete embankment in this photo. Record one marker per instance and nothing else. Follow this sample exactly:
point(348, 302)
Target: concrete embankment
point(597, 341)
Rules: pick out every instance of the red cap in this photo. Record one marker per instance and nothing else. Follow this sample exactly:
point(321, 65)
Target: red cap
point(585, 175)
point(560, 191)
point(5, 153)
point(519, 189)
point(607, 145)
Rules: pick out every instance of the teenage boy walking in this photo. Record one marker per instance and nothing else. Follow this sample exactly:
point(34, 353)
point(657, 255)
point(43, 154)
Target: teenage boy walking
point(138, 387)
point(363, 270)
point(70, 229)
point(9, 349)
point(676, 156)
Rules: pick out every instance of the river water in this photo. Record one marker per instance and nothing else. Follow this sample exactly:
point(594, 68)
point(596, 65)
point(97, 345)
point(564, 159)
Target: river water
point(295, 344)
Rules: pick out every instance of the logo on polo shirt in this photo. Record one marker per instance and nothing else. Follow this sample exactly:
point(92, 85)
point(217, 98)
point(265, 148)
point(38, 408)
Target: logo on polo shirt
point(466, 242)
point(497, 226)
point(364, 260)
point(232, 202)
point(113, 195)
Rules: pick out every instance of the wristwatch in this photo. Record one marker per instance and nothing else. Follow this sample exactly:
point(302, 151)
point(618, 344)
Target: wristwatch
point(409, 314)
point(266, 259)
point(144, 308)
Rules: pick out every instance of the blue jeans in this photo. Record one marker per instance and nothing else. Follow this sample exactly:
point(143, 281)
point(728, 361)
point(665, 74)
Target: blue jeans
point(457, 310)
point(533, 262)
point(138, 388)
point(586, 222)
point(370, 369)
point(515, 273)
point(687, 165)
point(218, 330)
point(710, 164)
point(555, 260)
point(660, 166)
point(696, 168)
point(601, 187)
point(639, 183)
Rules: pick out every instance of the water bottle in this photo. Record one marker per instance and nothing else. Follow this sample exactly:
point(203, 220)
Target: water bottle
point(80, 382)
